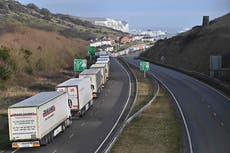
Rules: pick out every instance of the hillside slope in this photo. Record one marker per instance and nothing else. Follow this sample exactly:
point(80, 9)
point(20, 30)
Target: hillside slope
point(47, 51)
point(34, 41)
point(12, 12)
point(191, 50)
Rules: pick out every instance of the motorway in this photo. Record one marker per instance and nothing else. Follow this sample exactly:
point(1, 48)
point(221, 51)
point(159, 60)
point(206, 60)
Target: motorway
point(206, 111)
point(87, 134)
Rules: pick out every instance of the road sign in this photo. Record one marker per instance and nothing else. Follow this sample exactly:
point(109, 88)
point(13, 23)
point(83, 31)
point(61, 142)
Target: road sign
point(91, 50)
point(80, 64)
point(144, 66)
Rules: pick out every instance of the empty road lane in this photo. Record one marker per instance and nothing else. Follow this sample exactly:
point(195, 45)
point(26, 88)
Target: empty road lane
point(206, 112)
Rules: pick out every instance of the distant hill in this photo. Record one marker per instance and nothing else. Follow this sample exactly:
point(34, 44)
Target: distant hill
point(12, 12)
point(191, 50)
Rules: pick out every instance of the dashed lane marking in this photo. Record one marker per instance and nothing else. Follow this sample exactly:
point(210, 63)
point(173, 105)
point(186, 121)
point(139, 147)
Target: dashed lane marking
point(71, 135)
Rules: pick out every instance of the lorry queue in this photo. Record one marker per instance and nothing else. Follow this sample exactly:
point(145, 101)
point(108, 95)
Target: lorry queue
point(37, 120)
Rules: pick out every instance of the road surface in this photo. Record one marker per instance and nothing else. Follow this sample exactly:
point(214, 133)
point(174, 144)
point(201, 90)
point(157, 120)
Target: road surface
point(206, 111)
point(86, 134)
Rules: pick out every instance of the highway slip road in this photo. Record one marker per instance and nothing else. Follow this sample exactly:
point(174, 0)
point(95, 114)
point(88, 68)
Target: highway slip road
point(87, 134)
point(206, 111)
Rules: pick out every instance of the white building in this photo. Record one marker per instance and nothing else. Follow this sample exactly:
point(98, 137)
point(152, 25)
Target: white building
point(114, 24)
point(148, 39)
point(101, 43)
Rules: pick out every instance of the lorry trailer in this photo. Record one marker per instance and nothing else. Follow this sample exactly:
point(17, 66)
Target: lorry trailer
point(96, 80)
point(103, 69)
point(103, 59)
point(37, 120)
point(107, 66)
point(80, 94)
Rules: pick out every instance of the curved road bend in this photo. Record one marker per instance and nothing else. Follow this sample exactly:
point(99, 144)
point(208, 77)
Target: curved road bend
point(206, 111)
point(86, 134)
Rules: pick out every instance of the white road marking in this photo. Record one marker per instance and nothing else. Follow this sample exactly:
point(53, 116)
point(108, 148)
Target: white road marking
point(214, 114)
point(222, 123)
point(181, 112)
point(55, 151)
point(71, 135)
point(15, 150)
point(178, 106)
point(122, 110)
point(82, 124)
point(210, 87)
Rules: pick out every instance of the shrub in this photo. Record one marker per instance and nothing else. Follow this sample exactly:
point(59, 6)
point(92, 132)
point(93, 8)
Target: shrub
point(4, 73)
point(29, 70)
point(27, 54)
point(4, 54)
point(7, 66)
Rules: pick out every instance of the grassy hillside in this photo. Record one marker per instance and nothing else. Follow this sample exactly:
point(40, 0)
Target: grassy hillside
point(191, 50)
point(12, 12)
point(29, 51)
point(35, 40)
point(37, 49)
point(41, 50)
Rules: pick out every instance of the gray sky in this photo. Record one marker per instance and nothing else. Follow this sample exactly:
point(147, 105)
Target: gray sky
point(155, 14)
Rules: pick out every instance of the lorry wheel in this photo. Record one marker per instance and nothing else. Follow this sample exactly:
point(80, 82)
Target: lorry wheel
point(69, 121)
point(81, 114)
point(51, 136)
point(44, 141)
point(63, 127)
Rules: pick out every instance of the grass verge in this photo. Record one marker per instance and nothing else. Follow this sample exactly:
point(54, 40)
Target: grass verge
point(156, 130)
point(145, 90)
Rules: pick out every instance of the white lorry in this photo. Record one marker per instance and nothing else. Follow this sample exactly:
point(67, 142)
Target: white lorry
point(96, 80)
point(103, 69)
point(104, 56)
point(101, 53)
point(80, 94)
point(37, 120)
point(103, 59)
point(107, 66)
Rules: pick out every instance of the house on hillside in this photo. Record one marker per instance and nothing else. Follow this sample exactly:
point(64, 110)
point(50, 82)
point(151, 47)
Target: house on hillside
point(101, 42)
point(148, 39)
point(107, 48)
point(125, 39)
point(137, 38)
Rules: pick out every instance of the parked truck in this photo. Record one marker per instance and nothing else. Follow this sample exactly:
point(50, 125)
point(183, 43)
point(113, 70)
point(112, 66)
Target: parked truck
point(107, 66)
point(103, 69)
point(96, 80)
point(103, 59)
point(80, 94)
point(104, 56)
point(38, 119)
point(101, 53)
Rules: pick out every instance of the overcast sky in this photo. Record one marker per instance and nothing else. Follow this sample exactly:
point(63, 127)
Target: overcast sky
point(154, 14)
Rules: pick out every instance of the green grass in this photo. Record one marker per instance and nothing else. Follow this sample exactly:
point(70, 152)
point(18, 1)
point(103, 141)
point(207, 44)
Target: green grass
point(145, 91)
point(156, 130)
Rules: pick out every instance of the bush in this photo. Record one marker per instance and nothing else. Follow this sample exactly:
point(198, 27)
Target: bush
point(27, 54)
point(4, 73)
point(29, 70)
point(7, 66)
point(4, 54)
